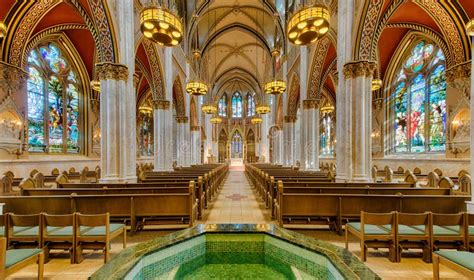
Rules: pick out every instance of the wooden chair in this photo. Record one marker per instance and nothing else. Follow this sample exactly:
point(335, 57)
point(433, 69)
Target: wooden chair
point(58, 232)
point(15, 259)
point(470, 231)
point(95, 232)
point(4, 226)
point(24, 231)
point(448, 231)
point(461, 262)
point(375, 230)
point(414, 233)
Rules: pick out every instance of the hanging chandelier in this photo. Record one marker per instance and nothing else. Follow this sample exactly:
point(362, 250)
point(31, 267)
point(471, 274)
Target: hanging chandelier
point(275, 87)
point(262, 109)
point(216, 120)
point(308, 25)
point(95, 85)
point(470, 28)
point(256, 120)
point(209, 109)
point(161, 26)
point(145, 109)
point(376, 84)
point(3, 29)
point(327, 108)
point(196, 88)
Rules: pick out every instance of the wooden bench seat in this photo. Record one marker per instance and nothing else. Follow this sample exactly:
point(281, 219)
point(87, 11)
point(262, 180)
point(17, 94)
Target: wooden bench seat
point(461, 262)
point(15, 259)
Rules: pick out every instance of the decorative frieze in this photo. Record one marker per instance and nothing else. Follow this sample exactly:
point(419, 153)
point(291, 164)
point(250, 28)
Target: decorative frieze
point(161, 104)
point(290, 119)
point(12, 78)
point(111, 71)
point(311, 104)
point(356, 69)
point(182, 119)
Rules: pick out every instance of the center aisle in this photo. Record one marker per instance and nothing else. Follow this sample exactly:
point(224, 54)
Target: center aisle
point(236, 202)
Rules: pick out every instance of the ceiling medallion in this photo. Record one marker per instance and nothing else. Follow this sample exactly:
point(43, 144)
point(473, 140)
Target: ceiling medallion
point(308, 25)
point(95, 85)
point(3, 29)
point(196, 88)
point(216, 120)
point(209, 109)
point(161, 26)
point(275, 87)
point(256, 120)
point(376, 84)
point(470, 28)
point(262, 109)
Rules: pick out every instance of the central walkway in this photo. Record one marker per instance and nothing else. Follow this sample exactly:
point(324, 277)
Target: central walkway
point(236, 202)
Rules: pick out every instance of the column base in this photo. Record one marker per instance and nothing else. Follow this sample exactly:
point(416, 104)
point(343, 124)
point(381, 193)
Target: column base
point(109, 180)
point(341, 179)
point(360, 178)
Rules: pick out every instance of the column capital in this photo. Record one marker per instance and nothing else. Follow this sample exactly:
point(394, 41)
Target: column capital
point(311, 103)
point(459, 76)
point(356, 69)
point(111, 71)
point(12, 77)
point(195, 128)
point(160, 104)
point(290, 119)
point(182, 119)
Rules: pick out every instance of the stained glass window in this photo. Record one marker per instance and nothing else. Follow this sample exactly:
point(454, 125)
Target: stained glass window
point(53, 102)
point(237, 105)
point(237, 144)
point(419, 101)
point(250, 105)
point(326, 139)
point(223, 106)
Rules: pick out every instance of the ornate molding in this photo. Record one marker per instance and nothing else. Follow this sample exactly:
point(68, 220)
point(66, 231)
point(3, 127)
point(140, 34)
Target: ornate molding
point(136, 80)
point(195, 128)
point(316, 80)
point(356, 69)
point(111, 71)
point(311, 104)
point(290, 119)
point(161, 104)
point(182, 119)
point(459, 77)
point(12, 78)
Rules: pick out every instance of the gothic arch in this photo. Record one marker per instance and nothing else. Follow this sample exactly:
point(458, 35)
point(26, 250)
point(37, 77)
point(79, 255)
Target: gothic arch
point(193, 114)
point(178, 98)
point(293, 96)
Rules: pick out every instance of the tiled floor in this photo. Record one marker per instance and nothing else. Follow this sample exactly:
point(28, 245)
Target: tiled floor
point(237, 203)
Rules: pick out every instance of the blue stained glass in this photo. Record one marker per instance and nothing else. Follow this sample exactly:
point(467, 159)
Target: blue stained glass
point(72, 119)
point(52, 55)
point(55, 115)
point(250, 105)
point(223, 106)
point(237, 144)
point(237, 105)
point(401, 121)
point(417, 116)
point(35, 88)
point(438, 109)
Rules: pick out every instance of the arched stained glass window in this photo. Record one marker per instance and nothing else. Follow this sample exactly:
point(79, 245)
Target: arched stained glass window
point(237, 144)
point(223, 106)
point(419, 101)
point(237, 105)
point(250, 105)
point(53, 102)
point(326, 140)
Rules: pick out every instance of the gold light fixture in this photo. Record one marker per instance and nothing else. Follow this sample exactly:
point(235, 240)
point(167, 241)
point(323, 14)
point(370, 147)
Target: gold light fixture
point(308, 25)
point(3, 29)
point(275, 87)
point(376, 84)
point(327, 108)
point(256, 120)
point(209, 109)
point(470, 28)
point(262, 109)
point(145, 109)
point(216, 120)
point(196, 88)
point(95, 85)
point(161, 26)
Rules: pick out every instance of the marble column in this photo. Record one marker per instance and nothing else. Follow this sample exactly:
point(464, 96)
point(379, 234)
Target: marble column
point(182, 143)
point(195, 145)
point(289, 140)
point(277, 137)
point(311, 134)
point(264, 146)
point(359, 77)
point(163, 157)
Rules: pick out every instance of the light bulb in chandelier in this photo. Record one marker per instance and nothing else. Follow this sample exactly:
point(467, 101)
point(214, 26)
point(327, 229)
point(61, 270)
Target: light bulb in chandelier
point(262, 109)
point(256, 120)
point(197, 88)
point(161, 26)
point(209, 109)
point(275, 87)
point(308, 25)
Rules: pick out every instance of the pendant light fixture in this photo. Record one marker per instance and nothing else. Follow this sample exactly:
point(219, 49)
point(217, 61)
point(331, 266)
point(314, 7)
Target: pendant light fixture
point(376, 84)
point(470, 28)
point(3, 29)
point(262, 109)
point(256, 120)
point(275, 86)
point(209, 109)
point(197, 86)
point(160, 25)
point(216, 120)
point(308, 24)
point(327, 108)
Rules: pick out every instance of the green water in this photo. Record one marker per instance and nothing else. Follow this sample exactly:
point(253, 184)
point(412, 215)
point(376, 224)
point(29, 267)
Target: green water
point(234, 271)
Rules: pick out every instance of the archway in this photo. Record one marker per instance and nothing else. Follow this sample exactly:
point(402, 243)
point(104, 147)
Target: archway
point(222, 146)
point(237, 145)
point(250, 151)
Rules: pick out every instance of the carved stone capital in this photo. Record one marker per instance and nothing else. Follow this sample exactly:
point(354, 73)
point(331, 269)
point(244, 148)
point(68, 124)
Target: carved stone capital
point(12, 78)
point(290, 119)
point(136, 80)
point(195, 128)
point(161, 104)
point(459, 77)
point(111, 71)
point(356, 69)
point(182, 119)
point(311, 104)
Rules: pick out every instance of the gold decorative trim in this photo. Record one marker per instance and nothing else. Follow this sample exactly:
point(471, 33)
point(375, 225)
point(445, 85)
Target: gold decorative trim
point(195, 128)
point(290, 119)
point(458, 71)
point(311, 104)
point(12, 78)
point(111, 71)
point(136, 80)
point(356, 69)
point(182, 119)
point(161, 104)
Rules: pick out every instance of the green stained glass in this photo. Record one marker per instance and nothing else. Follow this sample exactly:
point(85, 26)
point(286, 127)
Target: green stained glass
point(35, 87)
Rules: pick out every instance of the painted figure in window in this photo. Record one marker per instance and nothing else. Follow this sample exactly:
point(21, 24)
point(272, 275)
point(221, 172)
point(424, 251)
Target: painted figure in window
point(222, 106)
point(237, 105)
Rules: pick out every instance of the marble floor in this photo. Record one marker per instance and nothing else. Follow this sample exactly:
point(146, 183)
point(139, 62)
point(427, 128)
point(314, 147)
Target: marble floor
point(237, 203)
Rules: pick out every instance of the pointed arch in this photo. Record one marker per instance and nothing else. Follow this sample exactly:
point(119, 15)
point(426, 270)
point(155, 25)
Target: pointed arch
point(178, 98)
point(294, 96)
